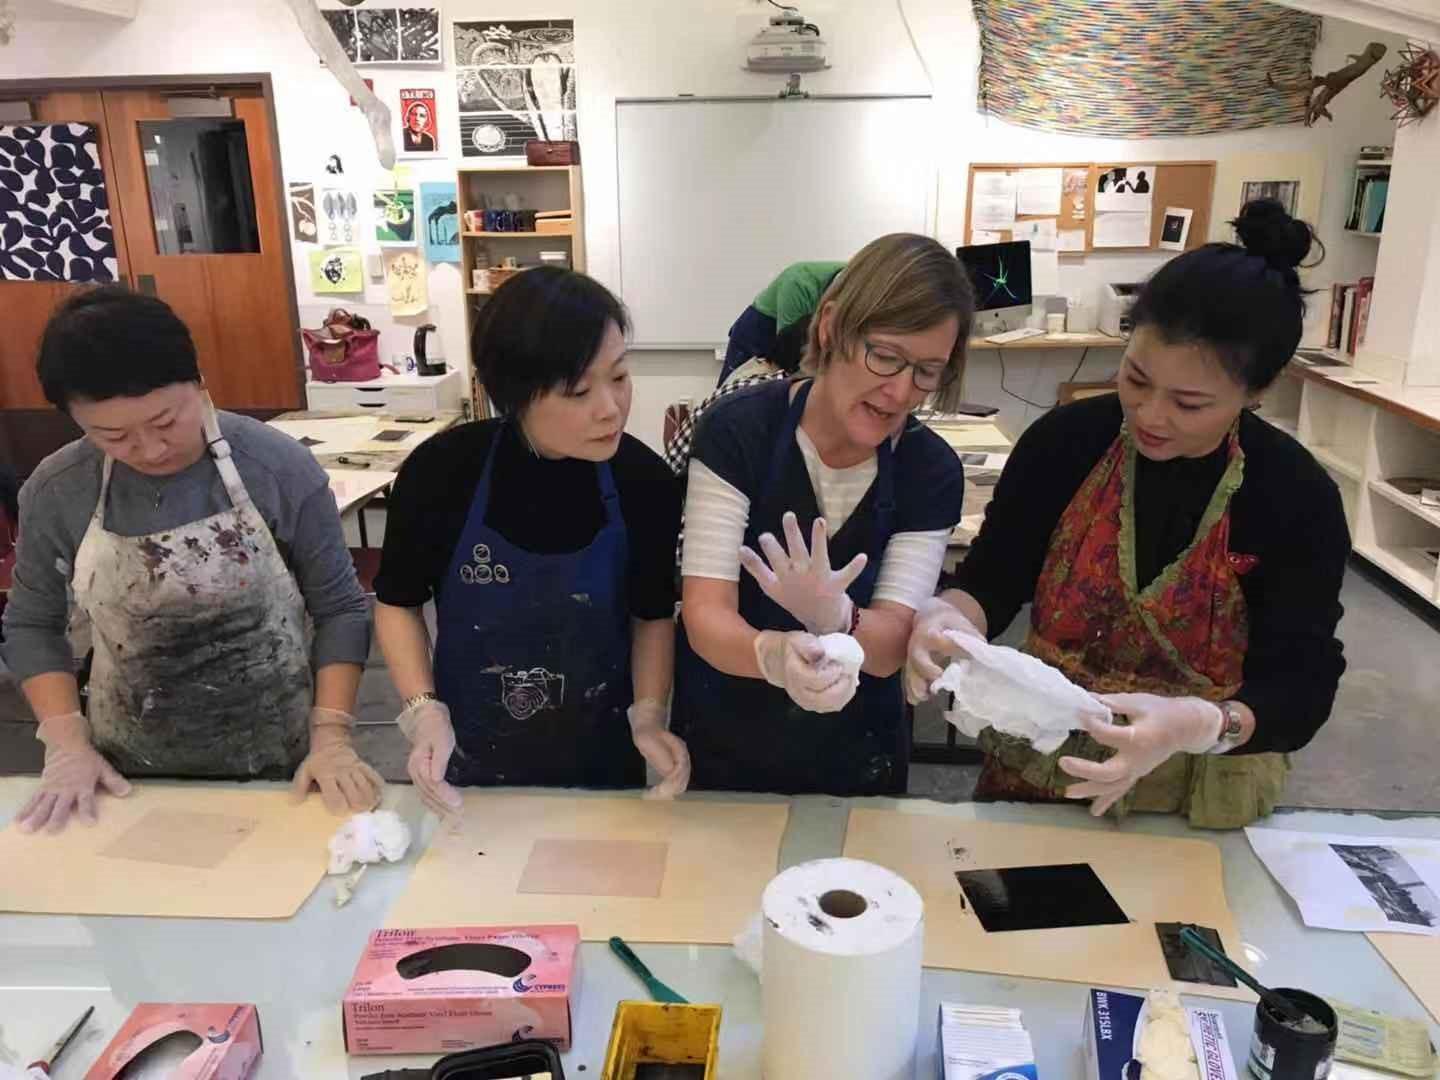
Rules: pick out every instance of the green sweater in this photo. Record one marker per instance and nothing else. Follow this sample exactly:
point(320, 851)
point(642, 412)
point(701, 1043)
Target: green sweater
point(796, 292)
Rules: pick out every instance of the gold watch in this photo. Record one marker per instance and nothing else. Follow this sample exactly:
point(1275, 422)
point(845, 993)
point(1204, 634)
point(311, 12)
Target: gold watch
point(1231, 728)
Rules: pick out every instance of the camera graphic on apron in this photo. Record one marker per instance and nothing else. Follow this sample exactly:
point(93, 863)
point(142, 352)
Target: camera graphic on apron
point(526, 692)
point(480, 572)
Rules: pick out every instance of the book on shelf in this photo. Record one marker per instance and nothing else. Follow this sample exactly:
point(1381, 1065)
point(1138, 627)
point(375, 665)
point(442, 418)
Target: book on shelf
point(1349, 314)
point(1337, 315)
point(1365, 290)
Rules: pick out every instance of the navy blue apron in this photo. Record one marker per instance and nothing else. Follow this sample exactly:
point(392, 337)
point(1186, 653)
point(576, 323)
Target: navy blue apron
point(533, 655)
point(745, 734)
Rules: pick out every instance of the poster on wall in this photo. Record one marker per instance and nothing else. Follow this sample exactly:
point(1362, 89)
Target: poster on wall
point(1175, 228)
point(419, 126)
point(405, 280)
point(304, 227)
point(514, 82)
point(395, 218)
point(399, 36)
point(439, 213)
point(338, 210)
point(1125, 189)
point(336, 270)
point(54, 211)
point(1285, 192)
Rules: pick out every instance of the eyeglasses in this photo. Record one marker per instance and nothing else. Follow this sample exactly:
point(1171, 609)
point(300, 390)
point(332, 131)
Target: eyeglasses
point(927, 375)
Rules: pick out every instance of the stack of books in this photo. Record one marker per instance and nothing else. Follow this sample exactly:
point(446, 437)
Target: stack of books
point(1349, 314)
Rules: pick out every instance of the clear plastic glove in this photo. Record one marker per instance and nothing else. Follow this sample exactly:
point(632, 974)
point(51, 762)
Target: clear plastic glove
point(935, 623)
point(1159, 728)
point(74, 771)
point(667, 754)
point(796, 663)
point(432, 740)
point(346, 783)
point(801, 581)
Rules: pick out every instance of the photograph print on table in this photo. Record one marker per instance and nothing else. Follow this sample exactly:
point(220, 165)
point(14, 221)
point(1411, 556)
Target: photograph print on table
point(388, 35)
point(1285, 192)
point(1125, 189)
point(419, 127)
point(1399, 891)
point(54, 209)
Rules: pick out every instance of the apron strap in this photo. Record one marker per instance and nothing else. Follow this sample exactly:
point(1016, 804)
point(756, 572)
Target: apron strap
point(219, 448)
point(608, 493)
point(787, 436)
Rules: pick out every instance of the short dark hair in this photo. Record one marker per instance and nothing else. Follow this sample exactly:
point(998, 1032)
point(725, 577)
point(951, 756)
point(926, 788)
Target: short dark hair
point(540, 331)
point(109, 342)
point(1242, 300)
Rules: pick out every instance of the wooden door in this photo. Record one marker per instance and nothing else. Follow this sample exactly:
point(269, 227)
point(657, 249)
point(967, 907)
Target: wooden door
point(26, 305)
point(210, 240)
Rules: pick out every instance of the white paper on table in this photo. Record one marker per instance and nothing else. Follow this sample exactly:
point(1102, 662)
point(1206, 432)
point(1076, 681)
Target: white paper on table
point(1363, 883)
point(1122, 230)
point(994, 199)
point(1070, 240)
point(984, 236)
point(1044, 273)
point(1038, 192)
point(1041, 233)
point(1125, 189)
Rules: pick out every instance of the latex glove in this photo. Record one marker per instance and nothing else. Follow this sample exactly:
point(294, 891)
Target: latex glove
point(796, 663)
point(74, 771)
point(801, 581)
point(1159, 728)
point(432, 740)
point(346, 783)
point(938, 624)
point(667, 754)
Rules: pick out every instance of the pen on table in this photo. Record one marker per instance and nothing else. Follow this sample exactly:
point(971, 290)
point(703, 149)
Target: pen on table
point(42, 1067)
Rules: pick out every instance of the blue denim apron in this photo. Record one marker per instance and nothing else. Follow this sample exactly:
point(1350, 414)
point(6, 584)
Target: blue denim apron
point(745, 734)
point(533, 655)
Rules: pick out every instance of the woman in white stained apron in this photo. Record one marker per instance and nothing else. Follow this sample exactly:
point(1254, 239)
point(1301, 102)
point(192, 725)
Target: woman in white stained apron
point(201, 546)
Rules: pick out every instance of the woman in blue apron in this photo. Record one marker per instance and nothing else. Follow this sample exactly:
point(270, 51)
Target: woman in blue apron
point(545, 539)
point(763, 698)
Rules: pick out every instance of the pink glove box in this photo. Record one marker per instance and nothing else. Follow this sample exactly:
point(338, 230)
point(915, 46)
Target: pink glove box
point(229, 1049)
point(442, 990)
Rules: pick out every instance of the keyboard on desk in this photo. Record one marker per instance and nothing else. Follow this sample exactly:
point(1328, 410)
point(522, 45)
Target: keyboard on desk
point(1015, 335)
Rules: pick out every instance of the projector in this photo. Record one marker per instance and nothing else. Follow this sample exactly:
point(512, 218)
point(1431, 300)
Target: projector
point(787, 46)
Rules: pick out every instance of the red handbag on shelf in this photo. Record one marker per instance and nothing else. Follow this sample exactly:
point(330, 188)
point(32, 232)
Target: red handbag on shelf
point(345, 350)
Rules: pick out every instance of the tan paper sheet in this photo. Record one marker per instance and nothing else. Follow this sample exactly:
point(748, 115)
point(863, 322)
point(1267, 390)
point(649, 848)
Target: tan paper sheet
point(1154, 879)
point(720, 858)
point(1415, 959)
point(585, 866)
point(155, 853)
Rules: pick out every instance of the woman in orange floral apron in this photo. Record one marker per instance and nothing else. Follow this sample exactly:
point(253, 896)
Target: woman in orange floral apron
point(1183, 557)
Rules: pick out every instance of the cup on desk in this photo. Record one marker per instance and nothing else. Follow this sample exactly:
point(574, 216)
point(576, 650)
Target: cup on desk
point(1055, 323)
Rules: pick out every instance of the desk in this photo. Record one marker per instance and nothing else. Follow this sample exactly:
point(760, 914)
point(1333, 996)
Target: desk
point(297, 970)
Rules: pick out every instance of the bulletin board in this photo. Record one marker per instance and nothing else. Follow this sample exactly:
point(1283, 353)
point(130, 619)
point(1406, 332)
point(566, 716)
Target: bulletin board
point(1188, 185)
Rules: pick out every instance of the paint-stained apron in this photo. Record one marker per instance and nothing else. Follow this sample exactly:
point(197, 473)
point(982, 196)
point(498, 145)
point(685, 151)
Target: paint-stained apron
point(1184, 634)
point(201, 663)
point(533, 654)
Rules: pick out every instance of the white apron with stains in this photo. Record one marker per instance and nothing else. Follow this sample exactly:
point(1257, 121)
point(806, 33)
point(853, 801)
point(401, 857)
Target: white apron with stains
point(201, 661)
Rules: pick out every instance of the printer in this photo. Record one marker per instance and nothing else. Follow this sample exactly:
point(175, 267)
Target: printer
point(1116, 299)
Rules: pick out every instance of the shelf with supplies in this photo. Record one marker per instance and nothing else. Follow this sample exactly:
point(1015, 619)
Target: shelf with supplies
point(554, 189)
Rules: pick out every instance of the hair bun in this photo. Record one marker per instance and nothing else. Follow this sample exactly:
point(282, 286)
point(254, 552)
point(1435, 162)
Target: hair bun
point(1268, 231)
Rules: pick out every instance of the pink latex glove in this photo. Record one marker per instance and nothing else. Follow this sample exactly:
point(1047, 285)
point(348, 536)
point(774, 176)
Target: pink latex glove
point(801, 581)
point(667, 754)
point(1159, 728)
point(796, 663)
point(938, 624)
point(74, 771)
point(346, 783)
point(432, 739)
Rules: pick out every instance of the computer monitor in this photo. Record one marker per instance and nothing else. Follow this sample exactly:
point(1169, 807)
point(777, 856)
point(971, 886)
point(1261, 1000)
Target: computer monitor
point(1000, 274)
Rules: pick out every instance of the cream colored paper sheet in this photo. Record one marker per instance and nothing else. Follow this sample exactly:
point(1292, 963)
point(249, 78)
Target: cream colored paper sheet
point(1154, 879)
point(1417, 961)
point(720, 858)
point(265, 874)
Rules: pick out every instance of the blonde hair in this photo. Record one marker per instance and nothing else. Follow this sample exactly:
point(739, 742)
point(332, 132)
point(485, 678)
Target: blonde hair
point(903, 283)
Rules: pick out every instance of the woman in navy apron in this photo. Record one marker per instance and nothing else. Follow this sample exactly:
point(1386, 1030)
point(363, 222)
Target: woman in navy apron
point(764, 700)
point(554, 652)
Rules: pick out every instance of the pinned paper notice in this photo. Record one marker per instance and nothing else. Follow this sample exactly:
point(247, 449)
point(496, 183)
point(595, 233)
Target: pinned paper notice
point(1122, 230)
point(1070, 240)
point(994, 201)
point(1038, 192)
point(1041, 233)
point(1044, 273)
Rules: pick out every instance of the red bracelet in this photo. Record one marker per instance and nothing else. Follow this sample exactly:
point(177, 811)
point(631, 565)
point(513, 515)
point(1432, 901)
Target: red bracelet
point(854, 617)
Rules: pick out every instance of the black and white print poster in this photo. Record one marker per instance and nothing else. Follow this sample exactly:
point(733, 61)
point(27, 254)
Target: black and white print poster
point(381, 34)
point(54, 210)
point(514, 81)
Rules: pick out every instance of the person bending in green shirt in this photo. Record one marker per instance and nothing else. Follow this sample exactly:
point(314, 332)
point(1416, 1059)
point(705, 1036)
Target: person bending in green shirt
point(791, 296)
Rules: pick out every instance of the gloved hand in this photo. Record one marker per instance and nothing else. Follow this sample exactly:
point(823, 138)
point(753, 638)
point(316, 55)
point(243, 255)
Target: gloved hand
point(796, 663)
point(935, 622)
point(73, 771)
point(346, 783)
point(432, 739)
point(667, 754)
point(801, 581)
point(1159, 728)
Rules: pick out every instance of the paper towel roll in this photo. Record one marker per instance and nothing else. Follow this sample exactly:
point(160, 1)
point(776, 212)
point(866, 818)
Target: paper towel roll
point(840, 990)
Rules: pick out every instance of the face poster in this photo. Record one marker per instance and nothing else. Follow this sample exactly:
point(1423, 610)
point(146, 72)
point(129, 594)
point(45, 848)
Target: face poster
point(336, 270)
point(419, 129)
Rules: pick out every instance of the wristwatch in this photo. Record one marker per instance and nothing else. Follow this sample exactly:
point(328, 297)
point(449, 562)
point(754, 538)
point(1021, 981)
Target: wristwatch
point(1231, 728)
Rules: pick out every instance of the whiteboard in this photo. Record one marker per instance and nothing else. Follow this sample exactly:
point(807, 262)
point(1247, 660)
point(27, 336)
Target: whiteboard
point(717, 196)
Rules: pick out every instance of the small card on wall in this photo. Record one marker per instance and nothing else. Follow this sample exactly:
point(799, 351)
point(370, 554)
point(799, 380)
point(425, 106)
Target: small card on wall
point(1175, 228)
